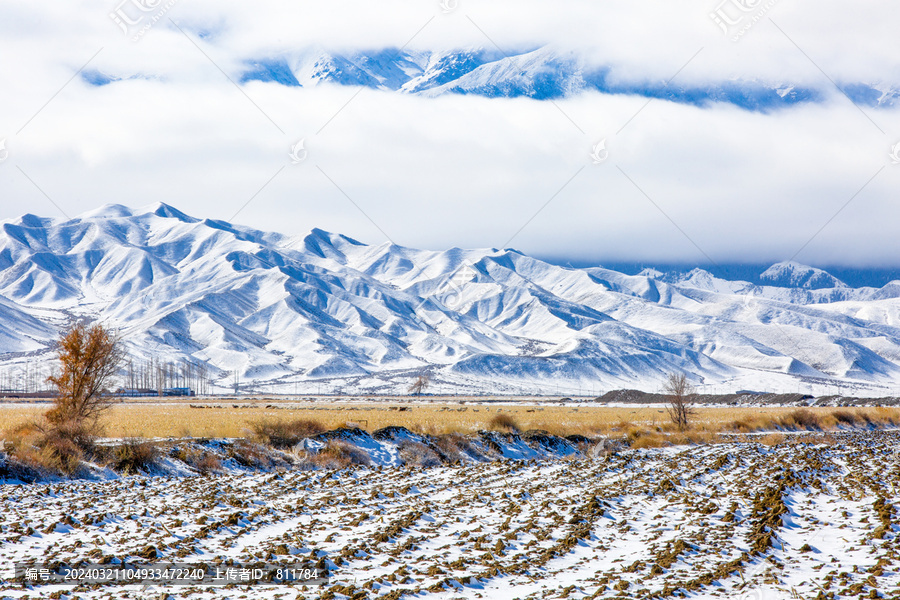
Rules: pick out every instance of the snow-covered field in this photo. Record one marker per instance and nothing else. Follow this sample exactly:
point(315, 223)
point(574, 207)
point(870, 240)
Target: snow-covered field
point(737, 519)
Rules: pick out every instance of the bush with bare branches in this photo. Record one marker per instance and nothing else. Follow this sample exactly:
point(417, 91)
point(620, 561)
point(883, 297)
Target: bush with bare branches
point(679, 391)
point(418, 386)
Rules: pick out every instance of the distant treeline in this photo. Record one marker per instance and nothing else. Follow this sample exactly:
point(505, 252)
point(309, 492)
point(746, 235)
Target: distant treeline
point(155, 374)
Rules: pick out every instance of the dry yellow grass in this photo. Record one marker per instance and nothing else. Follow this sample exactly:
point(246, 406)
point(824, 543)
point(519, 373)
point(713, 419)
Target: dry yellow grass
point(234, 419)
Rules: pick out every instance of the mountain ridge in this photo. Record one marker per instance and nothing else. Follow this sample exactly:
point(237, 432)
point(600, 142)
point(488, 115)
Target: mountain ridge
point(325, 309)
point(542, 72)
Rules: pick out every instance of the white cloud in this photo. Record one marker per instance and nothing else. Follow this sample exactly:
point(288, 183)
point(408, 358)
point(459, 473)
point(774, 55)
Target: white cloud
point(455, 170)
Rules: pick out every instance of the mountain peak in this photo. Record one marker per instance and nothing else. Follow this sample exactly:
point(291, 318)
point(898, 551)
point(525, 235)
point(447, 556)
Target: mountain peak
point(651, 273)
point(320, 233)
point(331, 238)
point(323, 244)
point(161, 209)
point(30, 220)
point(797, 275)
point(108, 211)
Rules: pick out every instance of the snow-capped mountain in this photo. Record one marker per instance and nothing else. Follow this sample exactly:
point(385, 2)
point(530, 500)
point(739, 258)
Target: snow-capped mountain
point(542, 73)
point(323, 309)
point(792, 274)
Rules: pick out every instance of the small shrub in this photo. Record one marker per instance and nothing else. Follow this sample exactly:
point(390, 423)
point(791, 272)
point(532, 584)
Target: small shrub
point(57, 454)
point(133, 456)
point(417, 454)
point(653, 439)
point(203, 462)
point(208, 463)
point(21, 436)
point(284, 434)
point(77, 432)
point(339, 455)
point(650, 440)
point(745, 425)
point(504, 423)
point(249, 455)
point(57, 449)
point(454, 447)
point(884, 416)
point(802, 418)
point(426, 428)
point(633, 432)
point(846, 417)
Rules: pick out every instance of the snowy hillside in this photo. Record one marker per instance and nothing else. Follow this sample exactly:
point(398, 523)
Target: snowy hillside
point(325, 312)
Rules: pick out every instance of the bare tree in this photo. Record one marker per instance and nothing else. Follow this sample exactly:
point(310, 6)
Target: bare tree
point(418, 386)
point(89, 357)
point(679, 390)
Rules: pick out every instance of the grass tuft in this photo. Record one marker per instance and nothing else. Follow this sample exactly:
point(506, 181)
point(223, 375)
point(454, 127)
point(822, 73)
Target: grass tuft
point(804, 419)
point(338, 454)
point(132, 456)
point(284, 434)
point(202, 461)
point(505, 423)
point(55, 449)
point(419, 455)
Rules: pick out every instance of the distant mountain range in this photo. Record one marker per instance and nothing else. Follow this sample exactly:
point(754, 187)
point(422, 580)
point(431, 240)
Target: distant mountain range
point(543, 73)
point(325, 312)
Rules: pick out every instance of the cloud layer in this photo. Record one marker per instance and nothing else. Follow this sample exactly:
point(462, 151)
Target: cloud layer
point(680, 183)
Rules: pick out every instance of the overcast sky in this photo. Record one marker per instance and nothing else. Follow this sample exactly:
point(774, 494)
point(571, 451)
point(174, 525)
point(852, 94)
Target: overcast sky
point(814, 181)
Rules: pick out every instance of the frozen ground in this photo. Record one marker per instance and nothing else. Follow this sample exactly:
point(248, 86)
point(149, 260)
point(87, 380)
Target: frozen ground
point(736, 519)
